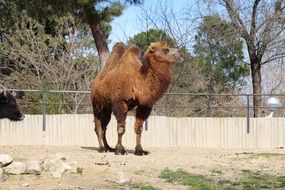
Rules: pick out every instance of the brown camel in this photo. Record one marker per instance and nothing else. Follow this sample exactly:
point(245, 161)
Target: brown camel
point(131, 83)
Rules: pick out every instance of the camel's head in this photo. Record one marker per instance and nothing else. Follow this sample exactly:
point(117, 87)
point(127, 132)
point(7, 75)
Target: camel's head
point(164, 53)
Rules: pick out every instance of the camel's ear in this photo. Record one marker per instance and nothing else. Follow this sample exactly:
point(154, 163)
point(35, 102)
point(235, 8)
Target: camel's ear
point(152, 48)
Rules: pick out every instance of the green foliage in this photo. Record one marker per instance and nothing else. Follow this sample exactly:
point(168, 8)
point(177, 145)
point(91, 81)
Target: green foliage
point(248, 181)
point(254, 180)
point(47, 13)
point(196, 182)
point(144, 39)
point(220, 53)
point(267, 155)
point(142, 186)
point(79, 170)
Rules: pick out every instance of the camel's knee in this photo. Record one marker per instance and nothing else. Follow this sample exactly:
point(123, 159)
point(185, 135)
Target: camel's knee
point(138, 130)
point(98, 130)
point(121, 130)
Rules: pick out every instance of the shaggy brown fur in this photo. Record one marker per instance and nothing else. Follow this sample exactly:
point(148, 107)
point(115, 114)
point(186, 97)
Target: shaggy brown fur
point(112, 61)
point(129, 84)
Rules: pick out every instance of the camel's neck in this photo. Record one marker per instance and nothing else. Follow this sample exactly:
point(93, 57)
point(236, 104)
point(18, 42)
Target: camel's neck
point(157, 79)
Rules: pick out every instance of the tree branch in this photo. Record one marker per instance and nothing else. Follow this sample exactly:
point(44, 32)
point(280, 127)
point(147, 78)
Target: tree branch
point(253, 17)
point(267, 34)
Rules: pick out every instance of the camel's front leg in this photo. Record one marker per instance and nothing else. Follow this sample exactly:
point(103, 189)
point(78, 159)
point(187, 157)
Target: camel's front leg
point(120, 111)
point(141, 115)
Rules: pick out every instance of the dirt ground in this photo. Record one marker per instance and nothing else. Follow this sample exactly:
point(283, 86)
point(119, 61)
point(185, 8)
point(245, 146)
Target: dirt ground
point(101, 170)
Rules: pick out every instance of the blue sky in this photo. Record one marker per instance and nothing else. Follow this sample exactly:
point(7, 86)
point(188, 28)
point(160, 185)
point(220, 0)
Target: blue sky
point(128, 24)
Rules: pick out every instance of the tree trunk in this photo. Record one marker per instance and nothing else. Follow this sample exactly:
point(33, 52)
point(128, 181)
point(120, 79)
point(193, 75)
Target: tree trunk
point(100, 42)
point(98, 33)
point(256, 84)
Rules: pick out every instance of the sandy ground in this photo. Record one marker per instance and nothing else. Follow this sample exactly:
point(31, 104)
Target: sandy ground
point(97, 174)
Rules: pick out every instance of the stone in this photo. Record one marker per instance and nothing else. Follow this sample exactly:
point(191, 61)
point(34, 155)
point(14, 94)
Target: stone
point(5, 160)
point(58, 168)
point(25, 184)
point(33, 167)
point(122, 178)
point(52, 158)
point(3, 178)
point(16, 168)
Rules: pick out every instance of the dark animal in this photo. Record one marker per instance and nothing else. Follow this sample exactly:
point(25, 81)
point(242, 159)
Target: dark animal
point(131, 84)
point(8, 106)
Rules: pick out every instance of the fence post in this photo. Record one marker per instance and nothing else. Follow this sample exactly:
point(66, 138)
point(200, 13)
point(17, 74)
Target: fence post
point(247, 114)
point(44, 109)
point(145, 125)
point(209, 105)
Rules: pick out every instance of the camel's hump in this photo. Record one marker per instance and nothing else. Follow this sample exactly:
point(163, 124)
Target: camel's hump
point(119, 47)
point(133, 49)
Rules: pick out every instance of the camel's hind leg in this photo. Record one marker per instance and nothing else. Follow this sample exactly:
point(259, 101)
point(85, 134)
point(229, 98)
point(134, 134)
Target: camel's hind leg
point(101, 122)
point(141, 115)
point(120, 111)
point(105, 119)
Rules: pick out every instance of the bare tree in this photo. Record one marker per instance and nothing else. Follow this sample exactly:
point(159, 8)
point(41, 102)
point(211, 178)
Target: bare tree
point(261, 25)
point(181, 25)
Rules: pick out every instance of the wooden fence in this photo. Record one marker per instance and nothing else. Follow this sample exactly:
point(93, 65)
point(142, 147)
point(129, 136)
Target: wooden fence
point(162, 132)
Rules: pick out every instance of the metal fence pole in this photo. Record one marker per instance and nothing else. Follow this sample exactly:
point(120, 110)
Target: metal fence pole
point(44, 109)
point(247, 114)
point(146, 125)
point(209, 105)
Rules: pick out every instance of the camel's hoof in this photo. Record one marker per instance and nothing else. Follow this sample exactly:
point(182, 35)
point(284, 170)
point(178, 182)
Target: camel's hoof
point(102, 149)
point(120, 150)
point(140, 152)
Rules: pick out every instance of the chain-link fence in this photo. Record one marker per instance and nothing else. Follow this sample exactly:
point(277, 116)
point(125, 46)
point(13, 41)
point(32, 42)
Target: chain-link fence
point(171, 104)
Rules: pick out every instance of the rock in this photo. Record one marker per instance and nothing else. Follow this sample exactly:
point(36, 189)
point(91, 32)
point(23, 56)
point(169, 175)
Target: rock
point(16, 168)
point(55, 164)
point(5, 160)
point(33, 167)
point(52, 158)
point(122, 178)
point(3, 178)
point(58, 168)
point(25, 184)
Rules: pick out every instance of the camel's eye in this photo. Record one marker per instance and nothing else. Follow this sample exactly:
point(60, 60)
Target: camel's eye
point(165, 50)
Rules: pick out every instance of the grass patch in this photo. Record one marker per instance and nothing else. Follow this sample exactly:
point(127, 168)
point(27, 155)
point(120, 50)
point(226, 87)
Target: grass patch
point(267, 154)
point(254, 180)
point(217, 172)
point(79, 170)
point(140, 172)
point(143, 186)
point(248, 181)
point(5, 173)
point(195, 182)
